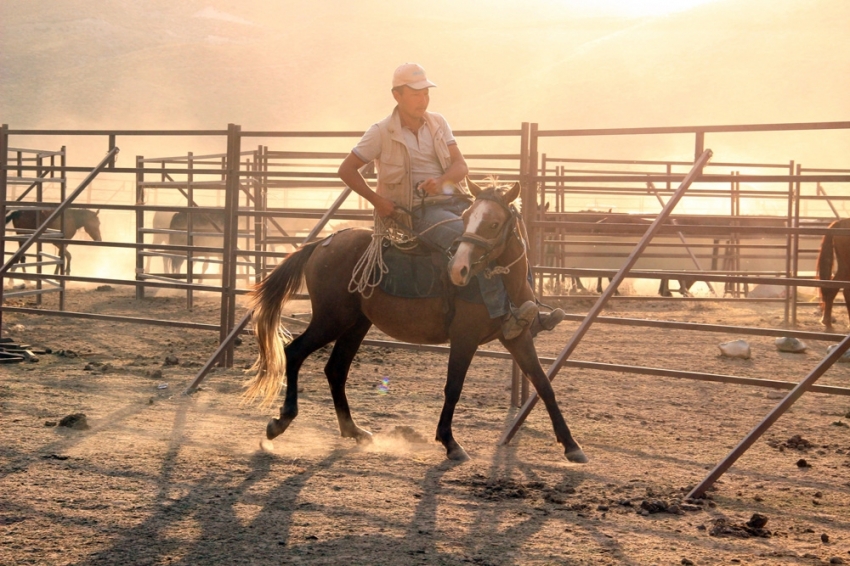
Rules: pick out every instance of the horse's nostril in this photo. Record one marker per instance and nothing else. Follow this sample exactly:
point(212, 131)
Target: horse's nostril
point(463, 271)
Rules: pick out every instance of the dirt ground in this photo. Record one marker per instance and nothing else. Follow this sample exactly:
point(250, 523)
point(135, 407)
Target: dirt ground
point(163, 478)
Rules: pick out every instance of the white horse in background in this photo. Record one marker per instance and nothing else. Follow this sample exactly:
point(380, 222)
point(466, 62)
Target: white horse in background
point(161, 221)
point(207, 232)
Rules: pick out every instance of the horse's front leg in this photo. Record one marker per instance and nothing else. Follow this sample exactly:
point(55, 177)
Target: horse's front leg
point(460, 356)
point(522, 349)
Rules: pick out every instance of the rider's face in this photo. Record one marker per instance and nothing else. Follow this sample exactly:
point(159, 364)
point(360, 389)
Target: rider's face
point(412, 103)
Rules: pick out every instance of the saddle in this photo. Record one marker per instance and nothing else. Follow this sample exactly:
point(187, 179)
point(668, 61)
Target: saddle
point(422, 273)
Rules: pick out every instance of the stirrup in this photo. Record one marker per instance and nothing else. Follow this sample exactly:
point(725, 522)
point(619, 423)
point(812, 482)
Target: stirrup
point(519, 319)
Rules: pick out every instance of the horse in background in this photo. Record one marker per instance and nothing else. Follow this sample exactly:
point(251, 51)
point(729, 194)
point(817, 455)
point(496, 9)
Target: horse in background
point(832, 248)
point(76, 219)
point(210, 225)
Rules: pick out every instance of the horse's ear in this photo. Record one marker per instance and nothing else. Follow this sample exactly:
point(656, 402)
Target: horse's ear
point(96, 212)
point(512, 194)
point(473, 188)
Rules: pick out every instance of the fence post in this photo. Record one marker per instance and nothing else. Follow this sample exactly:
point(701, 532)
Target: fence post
point(699, 145)
point(791, 249)
point(4, 154)
point(140, 223)
point(231, 224)
point(533, 213)
point(517, 377)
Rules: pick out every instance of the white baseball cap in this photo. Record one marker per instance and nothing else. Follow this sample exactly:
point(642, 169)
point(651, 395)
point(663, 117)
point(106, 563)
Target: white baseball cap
point(411, 75)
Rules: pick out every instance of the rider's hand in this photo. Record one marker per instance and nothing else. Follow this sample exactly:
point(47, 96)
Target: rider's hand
point(383, 206)
point(431, 186)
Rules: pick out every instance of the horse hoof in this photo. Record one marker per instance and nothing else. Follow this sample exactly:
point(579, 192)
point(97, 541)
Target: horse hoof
point(457, 454)
point(576, 456)
point(363, 437)
point(274, 429)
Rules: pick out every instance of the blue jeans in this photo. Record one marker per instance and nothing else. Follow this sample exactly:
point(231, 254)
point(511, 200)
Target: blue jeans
point(443, 237)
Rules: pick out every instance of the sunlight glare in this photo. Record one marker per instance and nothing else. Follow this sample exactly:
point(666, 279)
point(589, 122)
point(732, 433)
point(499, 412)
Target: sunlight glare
point(633, 8)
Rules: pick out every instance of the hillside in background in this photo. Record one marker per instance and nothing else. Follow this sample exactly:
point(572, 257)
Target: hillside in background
point(298, 65)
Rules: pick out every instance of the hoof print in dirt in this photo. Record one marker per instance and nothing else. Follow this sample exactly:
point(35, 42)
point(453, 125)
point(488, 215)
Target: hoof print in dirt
point(154, 374)
point(725, 527)
point(171, 360)
point(77, 421)
point(505, 488)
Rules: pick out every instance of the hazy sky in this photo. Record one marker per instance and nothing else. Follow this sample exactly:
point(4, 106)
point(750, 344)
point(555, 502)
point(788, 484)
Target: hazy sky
point(326, 65)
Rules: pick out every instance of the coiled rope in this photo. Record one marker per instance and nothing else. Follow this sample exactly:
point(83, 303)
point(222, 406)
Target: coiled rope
point(370, 269)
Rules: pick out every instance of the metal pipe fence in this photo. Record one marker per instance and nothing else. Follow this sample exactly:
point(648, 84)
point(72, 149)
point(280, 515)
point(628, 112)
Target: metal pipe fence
point(264, 190)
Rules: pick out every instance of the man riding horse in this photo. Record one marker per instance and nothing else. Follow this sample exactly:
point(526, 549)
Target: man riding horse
point(420, 191)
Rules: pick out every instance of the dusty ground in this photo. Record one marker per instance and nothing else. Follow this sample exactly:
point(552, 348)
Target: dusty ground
point(160, 478)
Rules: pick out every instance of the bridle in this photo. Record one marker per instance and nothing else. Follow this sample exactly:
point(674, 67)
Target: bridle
point(493, 247)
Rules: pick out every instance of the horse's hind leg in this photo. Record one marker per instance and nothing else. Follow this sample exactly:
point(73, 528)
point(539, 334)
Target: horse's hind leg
point(336, 371)
point(296, 352)
point(842, 272)
point(526, 357)
point(827, 298)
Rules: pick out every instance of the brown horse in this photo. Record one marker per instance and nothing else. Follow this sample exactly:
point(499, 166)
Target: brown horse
point(834, 247)
point(25, 221)
point(491, 232)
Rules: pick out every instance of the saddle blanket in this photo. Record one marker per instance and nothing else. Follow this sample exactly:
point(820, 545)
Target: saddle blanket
point(415, 276)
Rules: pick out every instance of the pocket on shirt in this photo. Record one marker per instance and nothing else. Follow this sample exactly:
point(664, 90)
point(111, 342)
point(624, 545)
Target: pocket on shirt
point(392, 173)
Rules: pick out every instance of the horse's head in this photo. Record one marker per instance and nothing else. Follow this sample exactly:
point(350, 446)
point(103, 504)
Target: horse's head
point(91, 224)
point(487, 224)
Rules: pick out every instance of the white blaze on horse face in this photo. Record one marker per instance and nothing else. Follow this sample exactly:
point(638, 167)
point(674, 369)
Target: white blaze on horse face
point(460, 268)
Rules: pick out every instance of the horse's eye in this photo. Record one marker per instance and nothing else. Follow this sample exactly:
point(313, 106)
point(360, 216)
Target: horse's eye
point(494, 225)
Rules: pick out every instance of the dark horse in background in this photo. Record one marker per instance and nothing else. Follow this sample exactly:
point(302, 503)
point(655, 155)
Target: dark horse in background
point(25, 221)
point(595, 217)
point(492, 231)
point(832, 248)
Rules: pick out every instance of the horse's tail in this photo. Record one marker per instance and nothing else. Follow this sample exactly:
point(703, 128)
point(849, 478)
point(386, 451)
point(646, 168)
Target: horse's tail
point(825, 259)
point(267, 300)
point(12, 215)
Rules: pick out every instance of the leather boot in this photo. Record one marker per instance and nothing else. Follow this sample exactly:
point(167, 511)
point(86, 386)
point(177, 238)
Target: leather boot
point(546, 322)
point(519, 319)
